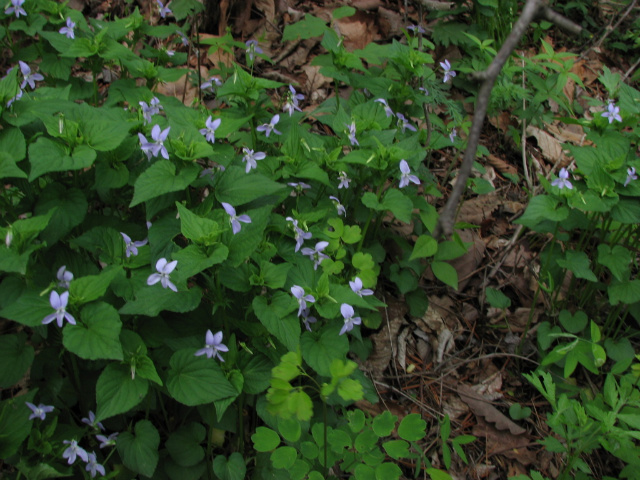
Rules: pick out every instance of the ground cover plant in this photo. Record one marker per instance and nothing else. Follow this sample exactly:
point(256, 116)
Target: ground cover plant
point(188, 285)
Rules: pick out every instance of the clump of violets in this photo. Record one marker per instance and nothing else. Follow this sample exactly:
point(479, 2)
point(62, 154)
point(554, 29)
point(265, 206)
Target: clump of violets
point(69, 29)
point(344, 180)
point(292, 102)
point(612, 113)
point(163, 10)
point(298, 293)
point(213, 346)
point(252, 49)
point(209, 131)
point(251, 158)
point(563, 180)
point(352, 134)
point(235, 219)
point(164, 269)
point(150, 110)
point(316, 254)
point(406, 175)
point(387, 109)
point(73, 451)
point(349, 320)
point(59, 304)
point(300, 234)
point(448, 73)
point(356, 287)
point(157, 147)
point(132, 247)
point(64, 277)
point(29, 78)
point(40, 411)
point(16, 8)
point(267, 128)
point(631, 175)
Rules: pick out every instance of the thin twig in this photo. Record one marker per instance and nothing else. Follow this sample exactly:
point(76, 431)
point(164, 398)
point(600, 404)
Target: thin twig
point(610, 28)
point(631, 69)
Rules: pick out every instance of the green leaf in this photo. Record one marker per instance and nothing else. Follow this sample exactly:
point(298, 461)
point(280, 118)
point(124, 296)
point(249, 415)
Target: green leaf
point(616, 259)
point(237, 188)
point(29, 309)
point(46, 156)
point(578, 263)
point(625, 292)
point(265, 439)
point(12, 149)
point(232, 469)
point(543, 208)
point(139, 452)
point(308, 28)
point(98, 337)
point(14, 352)
point(398, 204)
point(161, 178)
point(199, 229)
point(384, 423)
point(396, 449)
point(320, 350)
point(89, 288)
point(151, 300)
point(283, 457)
point(8, 167)
point(518, 412)
point(194, 259)
point(242, 245)
point(290, 429)
point(388, 471)
point(276, 319)
point(69, 207)
point(426, 246)
point(256, 373)
point(497, 299)
point(445, 273)
point(573, 323)
point(197, 380)
point(436, 474)
point(342, 12)
point(350, 390)
point(274, 276)
point(14, 423)
point(412, 428)
point(184, 444)
point(117, 392)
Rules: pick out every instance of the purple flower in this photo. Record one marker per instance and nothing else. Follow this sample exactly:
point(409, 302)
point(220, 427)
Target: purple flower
point(234, 219)
point(416, 29)
point(293, 98)
point(612, 113)
point(59, 304)
point(252, 49)
point(132, 247)
point(40, 411)
point(448, 73)
point(213, 346)
point(563, 180)
point(453, 135)
point(404, 124)
point(316, 253)
point(17, 97)
point(267, 128)
point(298, 292)
point(424, 90)
point(107, 441)
point(208, 85)
point(29, 78)
point(68, 30)
point(91, 421)
point(356, 286)
point(344, 180)
point(164, 11)
point(171, 53)
point(164, 269)
point(352, 133)
point(93, 466)
point(183, 38)
point(16, 8)
point(349, 320)
point(307, 320)
point(299, 185)
point(631, 175)
point(251, 158)
point(211, 171)
point(339, 206)
point(153, 149)
point(387, 109)
point(300, 234)
point(64, 277)
point(210, 132)
point(74, 450)
point(406, 176)
point(148, 111)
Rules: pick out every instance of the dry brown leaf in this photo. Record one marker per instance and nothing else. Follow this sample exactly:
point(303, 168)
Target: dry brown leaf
point(503, 443)
point(550, 147)
point(384, 341)
point(477, 209)
point(467, 264)
point(359, 30)
point(501, 165)
point(482, 408)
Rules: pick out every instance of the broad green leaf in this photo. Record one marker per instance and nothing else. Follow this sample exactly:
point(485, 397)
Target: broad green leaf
point(435, 474)
point(14, 423)
point(542, 208)
point(396, 449)
point(384, 423)
point(12, 261)
point(573, 323)
point(426, 246)
point(445, 273)
point(616, 259)
point(256, 373)
point(29, 309)
point(98, 336)
point(309, 27)
point(578, 263)
point(184, 444)
point(497, 299)
point(283, 457)
point(199, 229)
point(242, 245)
point(89, 288)
point(398, 204)
point(276, 318)
point(388, 471)
point(342, 12)
point(194, 259)
point(319, 350)
point(151, 300)
point(139, 451)
point(13, 149)
point(46, 156)
point(27, 229)
point(14, 352)
point(290, 429)
point(117, 392)
point(161, 178)
point(265, 439)
point(8, 167)
point(197, 380)
point(625, 292)
point(103, 129)
point(69, 207)
point(350, 390)
point(274, 276)
point(237, 188)
point(412, 428)
point(232, 468)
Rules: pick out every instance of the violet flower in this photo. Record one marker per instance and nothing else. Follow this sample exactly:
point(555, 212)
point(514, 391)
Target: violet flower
point(59, 304)
point(132, 247)
point(153, 149)
point(252, 49)
point(416, 29)
point(404, 124)
point(29, 78)
point(300, 234)
point(64, 277)
point(40, 411)
point(210, 131)
point(73, 451)
point(298, 292)
point(307, 320)
point(344, 180)
point(213, 346)
point(17, 97)
point(612, 113)
point(339, 206)
point(267, 128)
point(387, 109)
point(293, 98)
point(631, 175)
point(448, 73)
point(352, 133)
point(183, 38)
point(68, 30)
point(349, 320)
point(16, 8)
point(91, 421)
point(299, 185)
point(109, 441)
point(251, 158)
point(316, 254)
point(406, 176)
point(164, 269)
point(208, 85)
point(453, 135)
point(563, 180)
point(93, 466)
point(356, 287)
point(234, 219)
point(164, 11)
point(148, 111)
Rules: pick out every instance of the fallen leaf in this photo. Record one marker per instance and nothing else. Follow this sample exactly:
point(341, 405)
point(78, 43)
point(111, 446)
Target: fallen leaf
point(482, 407)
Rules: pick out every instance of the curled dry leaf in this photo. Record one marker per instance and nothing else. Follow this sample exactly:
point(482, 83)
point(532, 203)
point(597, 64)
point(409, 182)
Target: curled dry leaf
point(482, 407)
